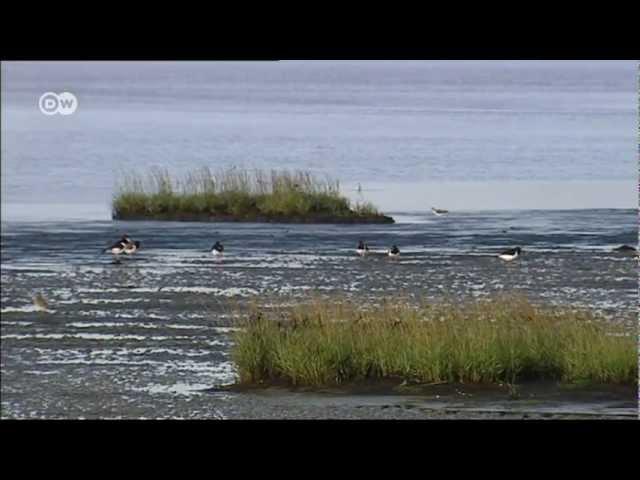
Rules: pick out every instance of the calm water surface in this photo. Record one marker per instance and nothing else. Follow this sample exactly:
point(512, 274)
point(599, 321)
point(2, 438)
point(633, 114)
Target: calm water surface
point(405, 124)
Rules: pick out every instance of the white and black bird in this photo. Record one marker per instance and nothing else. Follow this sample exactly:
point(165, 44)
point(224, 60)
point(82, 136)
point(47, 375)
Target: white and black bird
point(510, 254)
point(362, 249)
point(217, 249)
point(124, 245)
point(131, 247)
point(394, 251)
point(439, 212)
point(118, 247)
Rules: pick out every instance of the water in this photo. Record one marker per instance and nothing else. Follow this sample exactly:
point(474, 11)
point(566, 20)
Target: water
point(151, 335)
point(401, 129)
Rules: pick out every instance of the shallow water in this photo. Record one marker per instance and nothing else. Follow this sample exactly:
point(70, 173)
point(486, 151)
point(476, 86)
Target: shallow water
point(149, 335)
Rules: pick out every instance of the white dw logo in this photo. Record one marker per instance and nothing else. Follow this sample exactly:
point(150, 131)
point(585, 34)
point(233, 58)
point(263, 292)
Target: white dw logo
point(64, 103)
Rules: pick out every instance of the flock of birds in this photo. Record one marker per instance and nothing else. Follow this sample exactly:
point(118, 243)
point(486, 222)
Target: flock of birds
point(127, 246)
point(363, 249)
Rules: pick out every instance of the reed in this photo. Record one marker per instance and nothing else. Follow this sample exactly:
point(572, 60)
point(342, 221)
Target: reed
point(232, 192)
point(503, 340)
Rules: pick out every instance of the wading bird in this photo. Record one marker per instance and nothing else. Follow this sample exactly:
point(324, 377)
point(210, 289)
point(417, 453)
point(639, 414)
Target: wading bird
point(362, 249)
point(394, 251)
point(217, 249)
point(124, 245)
point(510, 254)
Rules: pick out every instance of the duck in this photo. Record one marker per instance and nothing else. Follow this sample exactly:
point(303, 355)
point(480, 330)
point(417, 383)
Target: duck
point(394, 251)
point(510, 254)
point(217, 249)
point(362, 249)
point(439, 212)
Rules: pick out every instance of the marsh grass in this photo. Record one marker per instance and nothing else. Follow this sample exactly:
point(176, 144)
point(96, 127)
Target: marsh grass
point(233, 192)
point(503, 340)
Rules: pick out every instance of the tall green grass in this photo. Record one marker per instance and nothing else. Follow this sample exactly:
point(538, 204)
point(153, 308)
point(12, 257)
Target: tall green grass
point(329, 342)
point(233, 192)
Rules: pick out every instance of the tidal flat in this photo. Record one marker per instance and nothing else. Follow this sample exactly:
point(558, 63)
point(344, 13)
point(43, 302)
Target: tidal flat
point(152, 336)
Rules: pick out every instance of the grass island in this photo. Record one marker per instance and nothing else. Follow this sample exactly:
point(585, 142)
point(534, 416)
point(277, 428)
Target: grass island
point(329, 342)
point(234, 195)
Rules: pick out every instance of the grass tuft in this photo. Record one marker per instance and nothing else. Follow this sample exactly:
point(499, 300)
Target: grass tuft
point(503, 340)
point(236, 193)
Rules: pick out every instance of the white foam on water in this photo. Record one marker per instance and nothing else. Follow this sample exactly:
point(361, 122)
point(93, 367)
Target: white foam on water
point(226, 329)
point(110, 324)
point(133, 315)
point(40, 274)
point(134, 324)
point(96, 301)
point(90, 336)
point(59, 336)
point(124, 353)
point(156, 316)
point(26, 309)
point(175, 389)
point(185, 327)
point(153, 351)
point(273, 264)
point(95, 313)
point(220, 371)
point(293, 288)
point(101, 290)
point(38, 267)
point(226, 292)
point(80, 361)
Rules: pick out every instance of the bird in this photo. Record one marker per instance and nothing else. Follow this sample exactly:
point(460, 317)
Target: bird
point(118, 247)
point(394, 251)
point(624, 248)
point(124, 245)
point(217, 249)
point(510, 254)
point(362, 249)
point(627, 250)
point(131, 247)
point(439, 212)
point(40, 303)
